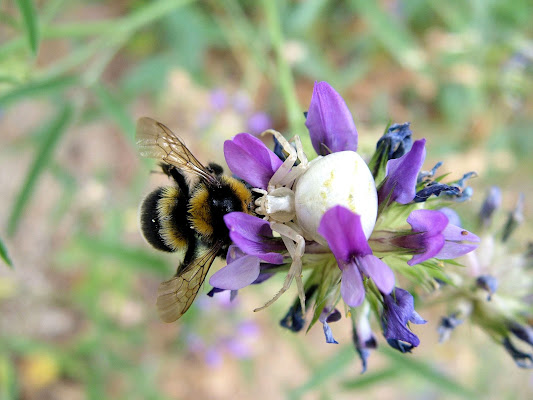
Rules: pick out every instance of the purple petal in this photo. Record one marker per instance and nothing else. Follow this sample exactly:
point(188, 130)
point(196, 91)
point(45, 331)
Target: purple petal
point(398, 310)
point(328, 333)
point(213, 358)
point(427, 221)
point(432, 245)
point(249, 329)
point(238, 348)
point(329, 121)
point(342, 230)
point(428, 240)
point(253, 236)
point(219, 99)
point(248, 158)
point(402, 173)
point(352, 289)
point(457, 234)
point(378, 271)
point(259, 122)
point(234, 253)
point(453, 217)
point(364, 339)
point(454, 246)
point(452, 250)
point(237, 274)
point(416, 318)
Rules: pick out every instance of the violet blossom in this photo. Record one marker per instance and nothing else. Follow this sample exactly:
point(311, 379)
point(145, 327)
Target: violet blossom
point(401, 175)
point(342, 230)
point(434, 237)
point(253, 237)
point(330, 122)
point(398, 310)
point(251, 160)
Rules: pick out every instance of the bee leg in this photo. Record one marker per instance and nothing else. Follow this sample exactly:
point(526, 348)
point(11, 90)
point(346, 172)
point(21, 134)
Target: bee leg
point(295, 244)
point(178, 177)
point(190, 255)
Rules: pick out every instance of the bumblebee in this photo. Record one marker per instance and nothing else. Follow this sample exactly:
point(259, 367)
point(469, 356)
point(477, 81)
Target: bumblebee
point(186, 217)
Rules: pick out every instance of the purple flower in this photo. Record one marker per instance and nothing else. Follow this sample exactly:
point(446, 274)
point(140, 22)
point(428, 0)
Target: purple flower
point(395, 142)
point(398, 310)
point(492, 202)
point(362, 335)
point(401, 175)
point(251, 160)
point(254, 236)
point(488, 283)
point(253, 241)
point(447, 325)
point(434, 236)
point(259, 122)
point(329, 121)
point(342, 230)
point(240, 271)
point(453, 217)
point(295, 319)
point(522, 359)
point(326, 316)
point(219, 99)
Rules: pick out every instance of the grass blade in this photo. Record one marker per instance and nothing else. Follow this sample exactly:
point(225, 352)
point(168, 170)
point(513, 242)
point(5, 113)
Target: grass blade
point(405, 363)
point(325, 371)
point(134, 257)
point(116, 111)
point(37, 89)
point(27, 9)
point(393, 36)
point(371, 378)
point(51, 134)
point(8, 379)
point(4, 255)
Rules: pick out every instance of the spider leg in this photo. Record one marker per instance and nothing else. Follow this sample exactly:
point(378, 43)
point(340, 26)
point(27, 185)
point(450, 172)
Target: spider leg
point(295, 244)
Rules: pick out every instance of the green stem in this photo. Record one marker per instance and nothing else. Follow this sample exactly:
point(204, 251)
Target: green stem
point(286, 81)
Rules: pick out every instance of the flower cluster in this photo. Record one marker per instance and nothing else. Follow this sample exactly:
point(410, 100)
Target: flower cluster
point(342, 228)
point(494, 291)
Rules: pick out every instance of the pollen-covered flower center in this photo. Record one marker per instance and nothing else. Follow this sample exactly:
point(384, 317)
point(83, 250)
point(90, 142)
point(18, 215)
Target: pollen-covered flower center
point(341, 178)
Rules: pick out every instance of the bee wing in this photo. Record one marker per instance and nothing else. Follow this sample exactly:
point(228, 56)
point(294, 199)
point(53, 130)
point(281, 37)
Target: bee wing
point(175, 296)
point(155, 140)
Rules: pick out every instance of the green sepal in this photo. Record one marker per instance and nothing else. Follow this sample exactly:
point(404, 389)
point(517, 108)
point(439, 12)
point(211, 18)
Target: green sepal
point(4, 255)
point(328, 292)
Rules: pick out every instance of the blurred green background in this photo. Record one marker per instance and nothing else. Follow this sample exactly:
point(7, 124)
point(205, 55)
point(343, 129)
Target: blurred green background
point(77, 314)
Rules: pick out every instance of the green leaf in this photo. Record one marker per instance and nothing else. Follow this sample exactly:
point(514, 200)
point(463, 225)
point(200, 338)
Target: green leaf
point(116, 110)
point(133, 257)
point(394, 37)
point(4, 255)
point(52, 132)
point(422, 370)
point(332, 366)
point(371, 378)
point(8, 379)
point(37, 88)
point(27, 9)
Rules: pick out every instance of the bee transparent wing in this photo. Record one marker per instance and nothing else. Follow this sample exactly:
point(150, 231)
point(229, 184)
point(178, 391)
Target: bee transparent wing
point(155, 140)
point(175, 296)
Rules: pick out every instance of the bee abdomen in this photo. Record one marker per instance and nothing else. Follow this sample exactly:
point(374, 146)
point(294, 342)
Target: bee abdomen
point(164, 219)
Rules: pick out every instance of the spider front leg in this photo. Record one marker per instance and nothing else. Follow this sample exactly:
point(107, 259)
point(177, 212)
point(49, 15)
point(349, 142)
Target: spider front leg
point(295, 244)
point(287, 165)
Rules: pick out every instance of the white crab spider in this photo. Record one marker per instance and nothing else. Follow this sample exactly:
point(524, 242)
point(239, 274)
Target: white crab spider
point(298, 196)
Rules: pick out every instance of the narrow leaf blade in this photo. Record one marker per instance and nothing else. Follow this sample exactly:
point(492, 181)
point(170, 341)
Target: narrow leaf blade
point(52, 133)
point(4, 255)
point(31, 22)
